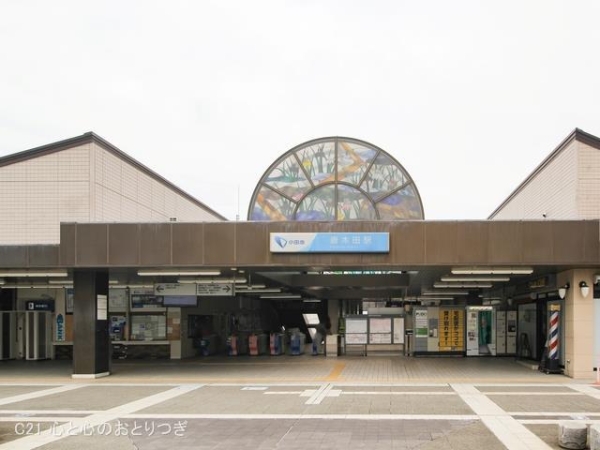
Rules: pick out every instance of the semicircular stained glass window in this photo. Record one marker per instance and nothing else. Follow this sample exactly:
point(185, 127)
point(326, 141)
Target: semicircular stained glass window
point(335, 179)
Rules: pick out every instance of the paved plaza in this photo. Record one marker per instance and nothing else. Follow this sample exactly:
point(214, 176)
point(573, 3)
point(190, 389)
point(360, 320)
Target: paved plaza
point(291, 402)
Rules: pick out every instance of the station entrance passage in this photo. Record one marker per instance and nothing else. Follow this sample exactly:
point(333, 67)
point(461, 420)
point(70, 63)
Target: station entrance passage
point(179, 291)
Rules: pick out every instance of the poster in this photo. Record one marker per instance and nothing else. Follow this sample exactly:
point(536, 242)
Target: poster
point(102, 307)
point(421, 323)
point(117, 299)
point(356, 338)
point(356, 325)
point(398, 330)
point(451, 332)
point(380, 338)
point(380, 325)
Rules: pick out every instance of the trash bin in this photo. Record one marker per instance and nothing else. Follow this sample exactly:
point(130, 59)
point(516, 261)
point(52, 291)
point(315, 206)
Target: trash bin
point(341, 344)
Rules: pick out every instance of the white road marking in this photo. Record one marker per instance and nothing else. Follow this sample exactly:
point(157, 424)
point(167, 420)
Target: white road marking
point(319, 394)
point(303, 416)
point(38, 394)
point(81, 424)
point(508, 430)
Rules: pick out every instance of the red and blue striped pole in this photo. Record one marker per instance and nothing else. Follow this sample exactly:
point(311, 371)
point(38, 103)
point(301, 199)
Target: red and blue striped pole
point(553, 347)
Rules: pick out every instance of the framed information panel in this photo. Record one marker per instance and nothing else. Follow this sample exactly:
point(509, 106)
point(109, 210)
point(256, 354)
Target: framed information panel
point(380, 330)
point(356, 325)
point(356, 338)
point(380, 324)
point(398, 330)
point(357, 331)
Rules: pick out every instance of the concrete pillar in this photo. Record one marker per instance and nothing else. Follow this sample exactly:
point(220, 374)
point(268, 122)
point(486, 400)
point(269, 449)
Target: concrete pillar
point(91, 342)
point(579, 324)
point(333, 311)
point(594, 437)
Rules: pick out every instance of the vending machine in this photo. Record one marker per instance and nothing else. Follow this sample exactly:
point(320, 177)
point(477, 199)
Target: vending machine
point(481, 331)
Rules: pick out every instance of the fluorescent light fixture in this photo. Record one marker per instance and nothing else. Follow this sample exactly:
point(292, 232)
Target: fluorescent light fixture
point(211, 280)
point(489, 279)
point(492, 270)
point(311, 300)
point(445, 293)
point(131, 286)
point(70, 282)
point(35, 273)
point(177, 273)
point(60, 281)
point(433, 298)
point(464, 285)
point(282, 296)
point(30, 286)
point(257, 291)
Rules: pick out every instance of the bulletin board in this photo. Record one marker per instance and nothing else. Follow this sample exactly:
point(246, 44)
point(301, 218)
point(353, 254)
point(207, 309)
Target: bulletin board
point(379, 329)
point(356, 330)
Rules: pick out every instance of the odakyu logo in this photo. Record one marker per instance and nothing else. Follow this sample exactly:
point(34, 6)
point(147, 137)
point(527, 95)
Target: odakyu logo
point(280, 241)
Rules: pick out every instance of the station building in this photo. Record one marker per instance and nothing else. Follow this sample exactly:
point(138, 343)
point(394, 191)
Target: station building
point(102, 258)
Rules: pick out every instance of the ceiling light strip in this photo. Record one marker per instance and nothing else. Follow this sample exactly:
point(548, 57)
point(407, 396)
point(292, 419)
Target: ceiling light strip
point(462, 285)
point(492, 270)
point(34, 273)
point(445, 293)
point(175, 273)
point(475, 279)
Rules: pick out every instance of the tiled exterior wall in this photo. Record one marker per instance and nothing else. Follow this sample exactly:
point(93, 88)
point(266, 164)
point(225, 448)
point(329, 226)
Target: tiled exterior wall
point(122, 193)
point(553, 191)
point(588, 196)
point(82, 184)
point(37, 194)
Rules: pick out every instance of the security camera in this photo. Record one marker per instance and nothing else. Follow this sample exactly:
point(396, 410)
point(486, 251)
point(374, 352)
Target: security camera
point(596, 278)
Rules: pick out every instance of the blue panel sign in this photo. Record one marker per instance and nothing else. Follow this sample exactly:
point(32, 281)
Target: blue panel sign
point(40, 305)
point(329, 242)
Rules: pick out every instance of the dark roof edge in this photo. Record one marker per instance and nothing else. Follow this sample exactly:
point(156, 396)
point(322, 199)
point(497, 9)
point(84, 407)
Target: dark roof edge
point(90, 137)
point(576, 134)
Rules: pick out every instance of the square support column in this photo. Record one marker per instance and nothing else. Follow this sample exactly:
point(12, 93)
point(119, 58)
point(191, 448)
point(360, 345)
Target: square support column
point(91, 342)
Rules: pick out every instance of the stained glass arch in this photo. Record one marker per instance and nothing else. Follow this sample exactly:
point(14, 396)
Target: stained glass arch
point(335, 179)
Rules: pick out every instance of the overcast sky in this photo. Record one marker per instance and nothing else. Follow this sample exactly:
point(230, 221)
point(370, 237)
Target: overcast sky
point(469, 96)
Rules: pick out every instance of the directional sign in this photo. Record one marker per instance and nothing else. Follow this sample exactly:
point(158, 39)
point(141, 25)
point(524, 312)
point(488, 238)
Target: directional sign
point(174, 289)
point(220, 290)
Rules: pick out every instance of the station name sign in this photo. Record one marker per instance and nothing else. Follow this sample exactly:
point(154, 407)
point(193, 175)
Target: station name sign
point(329, 242)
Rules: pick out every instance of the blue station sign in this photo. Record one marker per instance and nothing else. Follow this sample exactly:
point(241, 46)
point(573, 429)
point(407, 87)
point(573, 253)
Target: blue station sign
point(329, 242)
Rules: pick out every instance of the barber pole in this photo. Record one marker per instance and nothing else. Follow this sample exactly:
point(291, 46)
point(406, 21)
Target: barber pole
point(553, 347)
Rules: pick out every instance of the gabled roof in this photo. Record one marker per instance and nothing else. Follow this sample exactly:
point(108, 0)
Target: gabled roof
point(576, 135)
point(91, 137)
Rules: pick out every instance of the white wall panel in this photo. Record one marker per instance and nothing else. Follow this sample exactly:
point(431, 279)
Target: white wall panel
point(83, 184)
point(37, 194)
point(124, 185)
point(588, 196)
point(552, 191)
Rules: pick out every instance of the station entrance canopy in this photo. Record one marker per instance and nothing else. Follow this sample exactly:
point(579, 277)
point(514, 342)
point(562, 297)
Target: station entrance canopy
point(423, 256)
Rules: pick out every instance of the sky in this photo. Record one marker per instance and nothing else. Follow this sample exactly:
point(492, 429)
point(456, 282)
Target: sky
point(469, 96)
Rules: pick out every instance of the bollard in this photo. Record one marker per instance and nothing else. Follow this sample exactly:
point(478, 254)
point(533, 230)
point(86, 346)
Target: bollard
point(572, 435)
point(595, 437)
